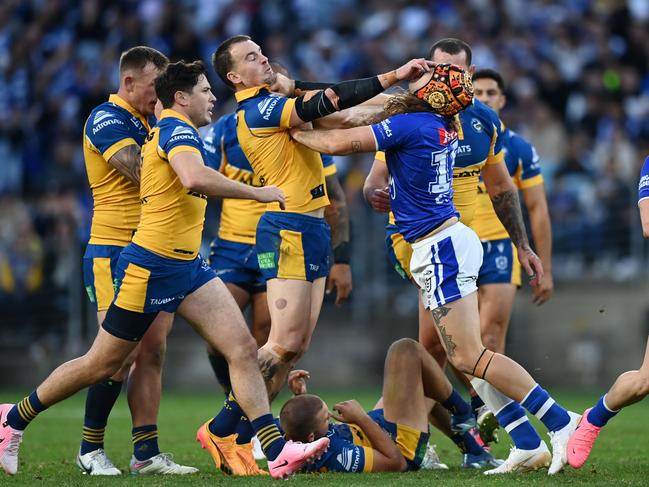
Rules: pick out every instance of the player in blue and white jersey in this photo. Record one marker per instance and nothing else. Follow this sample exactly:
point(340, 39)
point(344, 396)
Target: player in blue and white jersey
point(631, 386)
point(446, 254)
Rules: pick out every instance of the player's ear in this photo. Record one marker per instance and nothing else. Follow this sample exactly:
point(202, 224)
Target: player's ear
point(472, 69)
point(233, 77)
point(310, 438)
point(128, 81)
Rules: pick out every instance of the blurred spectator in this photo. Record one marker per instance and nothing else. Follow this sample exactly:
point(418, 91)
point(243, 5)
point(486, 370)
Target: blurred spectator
point(578, 89)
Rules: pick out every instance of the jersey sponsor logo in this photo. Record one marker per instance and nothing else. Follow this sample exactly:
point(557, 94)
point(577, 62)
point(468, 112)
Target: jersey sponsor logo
point(446, 137)
point(266, 260)
point(644, 182)
point(136, 121)
point(314, 267)
point(348, 460)
point(318, 191)
point(180, 130)
point(463, 149)
point(104, 119)
point(385, 125)
point(476, 125)
point(266, 106)
point(159, 301)
point(468, 174)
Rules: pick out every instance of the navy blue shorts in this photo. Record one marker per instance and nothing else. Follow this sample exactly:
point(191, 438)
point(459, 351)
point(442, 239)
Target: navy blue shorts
point(236, 263)
point(293, 246)
point(99, 265)
point(500, 263)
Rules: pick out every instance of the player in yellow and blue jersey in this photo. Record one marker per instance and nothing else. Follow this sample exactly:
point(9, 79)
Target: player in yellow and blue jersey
point(292, 245)
point(232, 252)
point(420, 151)
point(113, 135)
point(631, 386)
point(500, 273)
point(162, 270)
point(391, 437)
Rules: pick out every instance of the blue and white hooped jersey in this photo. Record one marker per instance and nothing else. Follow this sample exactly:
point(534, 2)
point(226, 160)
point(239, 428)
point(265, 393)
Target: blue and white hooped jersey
point(420, 154)
point(643, 185)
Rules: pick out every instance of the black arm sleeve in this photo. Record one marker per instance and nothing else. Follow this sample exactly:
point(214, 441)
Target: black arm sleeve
point(350, 93)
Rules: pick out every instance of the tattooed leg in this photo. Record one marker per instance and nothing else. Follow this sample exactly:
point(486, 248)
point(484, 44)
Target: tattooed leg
point(447, 339)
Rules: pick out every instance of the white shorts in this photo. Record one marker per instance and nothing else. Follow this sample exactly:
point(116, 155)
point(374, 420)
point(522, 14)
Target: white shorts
point(446, 265)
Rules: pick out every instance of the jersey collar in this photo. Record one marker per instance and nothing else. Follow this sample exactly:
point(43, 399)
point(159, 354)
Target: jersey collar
point(249, 92)
point(169, 113)
point(121, 102)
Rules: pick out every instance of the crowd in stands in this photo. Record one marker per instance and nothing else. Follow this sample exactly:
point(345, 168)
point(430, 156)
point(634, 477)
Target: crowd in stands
point(578, 88)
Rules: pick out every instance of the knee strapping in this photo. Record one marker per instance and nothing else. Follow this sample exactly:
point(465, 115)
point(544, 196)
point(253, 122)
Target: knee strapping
point(482, 364)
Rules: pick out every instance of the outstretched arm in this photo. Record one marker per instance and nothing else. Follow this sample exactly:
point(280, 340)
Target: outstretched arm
point(339, 141)
point(196, 176)
point(320, 103)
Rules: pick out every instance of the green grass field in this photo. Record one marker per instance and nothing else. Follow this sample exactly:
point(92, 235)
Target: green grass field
point(49, 448)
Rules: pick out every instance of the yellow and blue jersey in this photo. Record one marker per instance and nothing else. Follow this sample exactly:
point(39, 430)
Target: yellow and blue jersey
point(420, 151)
point(480, 142)
point(172, 216)
point(263, 120)
point(110, 127)
point(522, 163)
point(643, 184)
point(351, 451)
point(239, 217)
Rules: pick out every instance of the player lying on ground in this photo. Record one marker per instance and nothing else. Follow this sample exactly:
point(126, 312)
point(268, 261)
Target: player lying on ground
point(393, 436)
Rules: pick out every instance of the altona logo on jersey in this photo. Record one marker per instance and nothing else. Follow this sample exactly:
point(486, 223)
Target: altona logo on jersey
point(183, 133)
point(347, 460)
point(266, 106)
point(103, 119)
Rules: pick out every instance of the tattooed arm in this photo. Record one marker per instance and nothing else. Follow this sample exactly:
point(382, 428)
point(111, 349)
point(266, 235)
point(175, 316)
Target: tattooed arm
point(340, 141)
point(352, 117)
point(504, 197)
point(127, 162)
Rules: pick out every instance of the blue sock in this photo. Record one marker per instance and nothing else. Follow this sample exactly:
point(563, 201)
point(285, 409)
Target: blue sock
point(456, 405)
point(244, 431)
point(600, 414)
point(514, 420)
point(145, 442)
point(22, 413)
point(269, 436)
point(226, 421)
point(221, 371)
point(99, 403)
point(476, 403)
point(540, 404)
point(467, 444)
